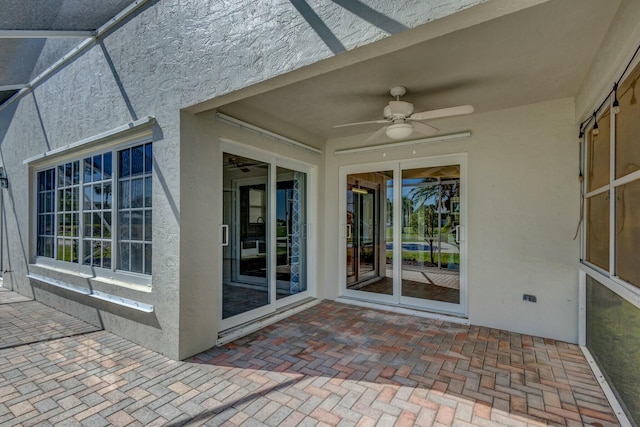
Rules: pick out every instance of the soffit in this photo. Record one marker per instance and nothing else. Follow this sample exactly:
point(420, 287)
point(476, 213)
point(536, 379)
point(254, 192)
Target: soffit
point(22, 59)
point(534, 55)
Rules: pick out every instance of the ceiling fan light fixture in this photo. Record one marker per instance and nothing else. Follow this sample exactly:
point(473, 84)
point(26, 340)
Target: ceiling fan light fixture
point(399, 130)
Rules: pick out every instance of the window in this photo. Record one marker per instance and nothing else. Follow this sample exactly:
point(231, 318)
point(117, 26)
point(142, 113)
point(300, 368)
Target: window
point(612, 234)
point(81, 202)
point(134, 209)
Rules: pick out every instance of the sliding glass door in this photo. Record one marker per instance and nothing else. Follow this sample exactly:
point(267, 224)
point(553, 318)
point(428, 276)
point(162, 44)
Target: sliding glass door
point(263, 237)
point(419, 205)
point(431, 240)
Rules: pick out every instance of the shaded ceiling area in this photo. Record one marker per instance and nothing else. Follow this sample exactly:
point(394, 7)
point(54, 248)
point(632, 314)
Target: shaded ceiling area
point(23, 56)
point(534, 55)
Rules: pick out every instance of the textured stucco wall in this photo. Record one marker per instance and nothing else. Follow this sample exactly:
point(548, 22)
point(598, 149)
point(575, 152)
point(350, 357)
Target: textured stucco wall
point(170, 55)
point(523, 209)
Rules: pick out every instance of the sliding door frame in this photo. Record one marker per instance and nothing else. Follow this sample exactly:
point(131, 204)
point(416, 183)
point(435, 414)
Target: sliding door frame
point(274, 162)
point(396, 298)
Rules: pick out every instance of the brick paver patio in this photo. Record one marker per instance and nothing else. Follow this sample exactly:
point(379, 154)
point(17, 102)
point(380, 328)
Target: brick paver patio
point(333, 364)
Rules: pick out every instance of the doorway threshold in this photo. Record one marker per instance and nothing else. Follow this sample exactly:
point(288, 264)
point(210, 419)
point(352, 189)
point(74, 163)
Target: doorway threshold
point(411, 311)
point(240, 331)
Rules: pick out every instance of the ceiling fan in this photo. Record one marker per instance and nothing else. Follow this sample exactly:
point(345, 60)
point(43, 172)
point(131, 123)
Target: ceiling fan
point(403, 121)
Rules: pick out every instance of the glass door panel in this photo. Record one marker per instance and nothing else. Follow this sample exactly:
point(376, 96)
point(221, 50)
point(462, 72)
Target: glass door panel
point(365, 233)
point(430, 234)
point(246, 218)
point(369, 202)
point(291, 246)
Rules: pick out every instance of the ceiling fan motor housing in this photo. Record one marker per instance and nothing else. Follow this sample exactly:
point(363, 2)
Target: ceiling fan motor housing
point(398, 110)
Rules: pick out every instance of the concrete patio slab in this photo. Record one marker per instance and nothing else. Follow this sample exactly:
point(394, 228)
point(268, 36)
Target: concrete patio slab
point(332, 364)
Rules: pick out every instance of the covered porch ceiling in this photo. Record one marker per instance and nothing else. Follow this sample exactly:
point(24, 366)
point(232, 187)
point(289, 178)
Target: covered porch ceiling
point(537, 54)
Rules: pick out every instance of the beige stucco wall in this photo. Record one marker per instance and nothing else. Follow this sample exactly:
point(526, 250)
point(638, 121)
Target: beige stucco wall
point(523, 210)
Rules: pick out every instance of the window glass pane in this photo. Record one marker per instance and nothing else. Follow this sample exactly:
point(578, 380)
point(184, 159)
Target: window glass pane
point(61, 175)
point(60, 200)
point(137, 160)
point(97, 168)
point(106, 225)
point(49, 201)
point(86, 257)
point(68, 196)
point(41, 181)
point(628, 126)
point(60, 224)
point(68, 170)
point(124, 164)
point(147, 225)
point(61, 250)
point(96, 249)
point(48, 224)
point(597, 245)
point(48, 247)
point(68, 226)
point(136, 225)
point(123, 194)
point(147, 259)
point(123, 257)
point(96, 196)
point(75, 203)
point(107, 196)
point(147, 192)
point(137, 193)
point(87, 170)
point(123, 225)
point(148, 158)
point(628, 232)
point(106, 254)
point(88, 199)
point(76, 173)
point(75, 224)
point(598, 154)
point(51, 176)
point(97, 225)
point(87, 225)
point(106, 166)
point(136, 257)
point(74, 250)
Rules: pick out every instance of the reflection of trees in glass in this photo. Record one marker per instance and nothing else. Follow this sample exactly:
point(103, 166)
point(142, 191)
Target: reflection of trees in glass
point(407, 210)
point(425, 216)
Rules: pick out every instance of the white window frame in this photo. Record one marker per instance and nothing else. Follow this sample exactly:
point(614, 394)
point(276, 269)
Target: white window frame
point(111, 274)
point(622, 288)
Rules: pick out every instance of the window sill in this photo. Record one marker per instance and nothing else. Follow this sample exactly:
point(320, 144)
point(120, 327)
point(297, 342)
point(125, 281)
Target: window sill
point(109, 290)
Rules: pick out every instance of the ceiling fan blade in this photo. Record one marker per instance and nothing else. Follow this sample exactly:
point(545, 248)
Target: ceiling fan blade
point(443, 112)
point(424, 129)
point(377, 134)
point(361, 123)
